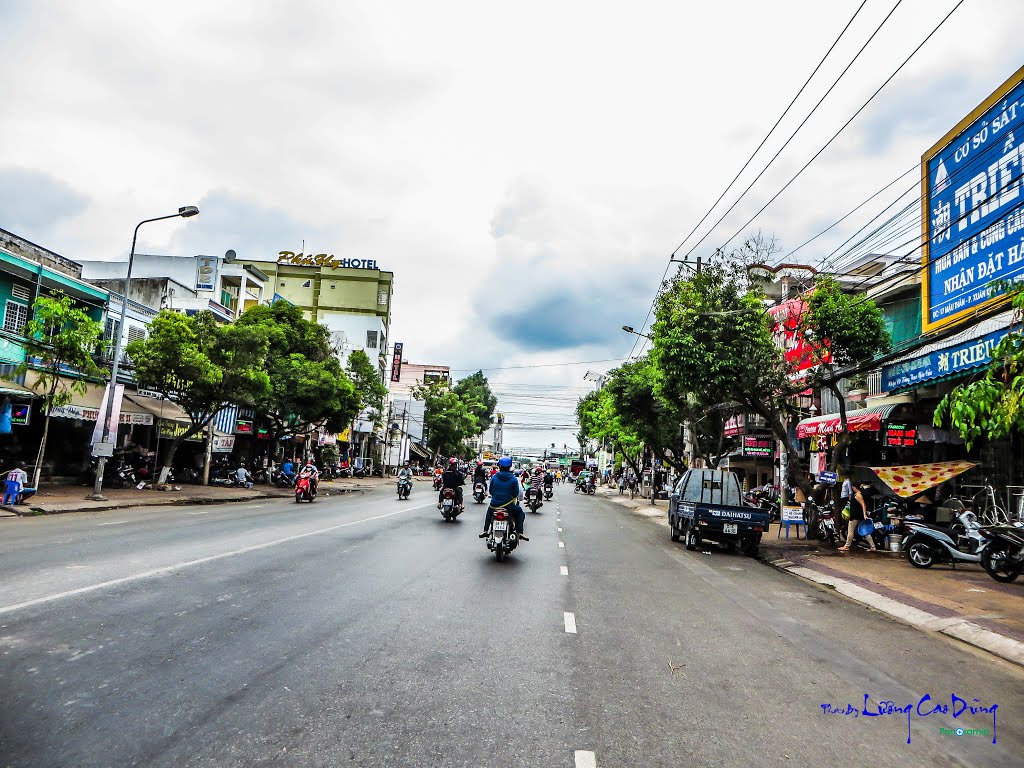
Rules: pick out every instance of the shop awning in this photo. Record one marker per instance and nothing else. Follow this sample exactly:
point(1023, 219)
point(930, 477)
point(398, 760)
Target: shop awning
point(419, 450)
point(912, 479)
point(866, 420)
point(950, 358)
point(87, 408)
point(11, 389)
point(158, 407)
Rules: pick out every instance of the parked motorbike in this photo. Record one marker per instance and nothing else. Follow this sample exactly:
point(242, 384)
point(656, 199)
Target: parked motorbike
point(828, 530)
point(479, 492)
point(404, 488)
point(533, 498)
point(502, 538)
point(123, 476)
point(359, 473)
point(926, 544)
point(304, 489)
point(449, 505)
point(1002, 555)
point(280, 479)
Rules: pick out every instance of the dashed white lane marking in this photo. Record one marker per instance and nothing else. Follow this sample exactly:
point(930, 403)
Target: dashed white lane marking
point(199, 561)
point(115, 522)
point(561, 544)
point(570, 622)
point(559, 530)
point(564, 570)
point(585, 759)
point(200, 513)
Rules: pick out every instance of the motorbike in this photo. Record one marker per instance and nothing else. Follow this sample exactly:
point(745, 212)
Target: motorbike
point(437, 482)
point(502, 538)
point(926, 544)
point(280, 479)
point(123, 476)
point(1002, 555)
point(304, 490)
point(827, 528)
point(549, 492)
point(404, 488)
point(533, 498)
point(479, 492)
point(449, 505)
point(359, 473)
point(378, 471)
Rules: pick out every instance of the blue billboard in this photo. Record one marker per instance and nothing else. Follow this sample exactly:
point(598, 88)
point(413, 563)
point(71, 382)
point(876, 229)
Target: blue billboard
point(974, 209)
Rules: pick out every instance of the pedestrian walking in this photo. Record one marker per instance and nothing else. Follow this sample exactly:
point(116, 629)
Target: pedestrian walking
point(851, 498)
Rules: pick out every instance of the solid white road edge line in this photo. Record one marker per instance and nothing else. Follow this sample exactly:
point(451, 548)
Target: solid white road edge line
point(199, 561)
point(570, 622)
point(564, 570)
point(585, 759)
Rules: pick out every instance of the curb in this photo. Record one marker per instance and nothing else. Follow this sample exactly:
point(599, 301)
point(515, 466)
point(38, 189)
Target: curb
point(965, 631)
point(170, 502)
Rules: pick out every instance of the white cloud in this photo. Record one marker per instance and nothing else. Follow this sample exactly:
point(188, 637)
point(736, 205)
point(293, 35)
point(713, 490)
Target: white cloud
point(459, 143)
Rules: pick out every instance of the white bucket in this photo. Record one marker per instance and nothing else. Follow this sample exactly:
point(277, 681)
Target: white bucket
point(894, 542)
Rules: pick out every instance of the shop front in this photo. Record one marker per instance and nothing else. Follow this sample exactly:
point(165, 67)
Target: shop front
point(932, 372)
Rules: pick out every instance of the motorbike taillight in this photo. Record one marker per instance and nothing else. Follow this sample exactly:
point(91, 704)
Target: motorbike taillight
point(499, 515)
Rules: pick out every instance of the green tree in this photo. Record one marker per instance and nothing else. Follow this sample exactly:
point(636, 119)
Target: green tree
point(713, 342)
point(307, 384)
point(475, 392)
point(992, 407)
point(599, 420)
point(60, 335)
point(201, 365)
point(447, 420)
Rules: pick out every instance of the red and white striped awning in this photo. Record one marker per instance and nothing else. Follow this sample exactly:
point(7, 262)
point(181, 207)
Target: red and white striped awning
point(866, 420)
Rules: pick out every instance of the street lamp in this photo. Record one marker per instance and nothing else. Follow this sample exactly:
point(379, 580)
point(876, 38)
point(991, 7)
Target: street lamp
point(629, 329)
point(185, 212)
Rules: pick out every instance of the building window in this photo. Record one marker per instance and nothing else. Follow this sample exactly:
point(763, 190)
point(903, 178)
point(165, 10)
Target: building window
point(382, 299)
point(371, 339)
point(19, 292)
point(110, 329)
point(15, 317)
point(135, 332)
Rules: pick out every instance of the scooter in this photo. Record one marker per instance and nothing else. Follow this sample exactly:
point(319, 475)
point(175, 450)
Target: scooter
point(502, 538)
point(549, 492)
point(533, 499)
point(926, 544)
point(479, 492)
point(449, 505)
point(304, 489)
point(1002, 555)
point(404, 488)
point(281, 480)
point(827, 528)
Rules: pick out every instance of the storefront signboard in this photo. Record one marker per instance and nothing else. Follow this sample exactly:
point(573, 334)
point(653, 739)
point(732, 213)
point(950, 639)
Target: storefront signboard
point(973, 212)
point(172, 429)
point(941, 363)
point(324, 260)
point(758, 446)
point(828, 478)
point(223, 443)
point(243, 427)
point(20, 413)
point(792, 514)
point(84, 413)
point(396, 362)
point(901, 435)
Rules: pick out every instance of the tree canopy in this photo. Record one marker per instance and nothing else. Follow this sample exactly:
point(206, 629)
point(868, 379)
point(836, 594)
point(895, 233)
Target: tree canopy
point(307, 384)
point(475, 392)
point(447, 419)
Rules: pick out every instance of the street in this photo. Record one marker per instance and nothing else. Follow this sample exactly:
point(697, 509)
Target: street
point(362, 630)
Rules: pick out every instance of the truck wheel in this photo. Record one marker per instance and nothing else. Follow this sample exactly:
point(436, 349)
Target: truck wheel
point(692, 540)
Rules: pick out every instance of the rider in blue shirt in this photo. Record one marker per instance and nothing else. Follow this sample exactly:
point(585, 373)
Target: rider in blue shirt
point(505, 494)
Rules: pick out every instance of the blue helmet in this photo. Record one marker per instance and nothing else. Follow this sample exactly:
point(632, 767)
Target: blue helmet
point(505, 462)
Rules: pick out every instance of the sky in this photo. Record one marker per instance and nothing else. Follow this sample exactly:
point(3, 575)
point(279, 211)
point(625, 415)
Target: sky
point(524, 169)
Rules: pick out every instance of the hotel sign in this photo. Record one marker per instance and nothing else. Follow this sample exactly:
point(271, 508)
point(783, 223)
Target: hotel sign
point(323, 260)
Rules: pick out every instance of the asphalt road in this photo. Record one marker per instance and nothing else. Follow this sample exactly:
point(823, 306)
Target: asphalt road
point(365, 631)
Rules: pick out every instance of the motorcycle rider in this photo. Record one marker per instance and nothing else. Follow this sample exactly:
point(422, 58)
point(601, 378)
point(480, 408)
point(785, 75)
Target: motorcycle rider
point(505, 493)
point(288, 470)
point(479, 474)
point(313, 474)
point(549, 480)
point(452, 478)
point(405, 473)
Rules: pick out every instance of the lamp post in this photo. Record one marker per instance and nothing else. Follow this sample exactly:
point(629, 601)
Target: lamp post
point(184, 212)
point(629, 329)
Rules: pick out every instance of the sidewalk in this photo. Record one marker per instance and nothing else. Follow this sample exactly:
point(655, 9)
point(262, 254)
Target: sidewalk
point(71, 498)
point(965, 603)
